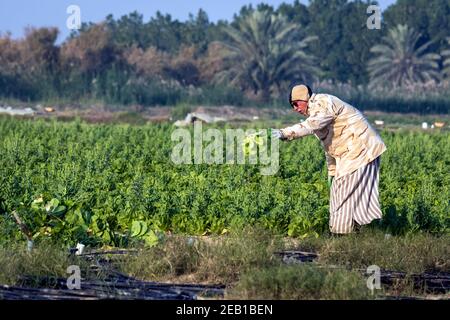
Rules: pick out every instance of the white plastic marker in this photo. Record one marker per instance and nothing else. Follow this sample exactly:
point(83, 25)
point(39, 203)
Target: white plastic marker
point(80, 249)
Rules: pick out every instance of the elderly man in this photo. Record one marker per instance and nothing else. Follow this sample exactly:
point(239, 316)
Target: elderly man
point(352, 150)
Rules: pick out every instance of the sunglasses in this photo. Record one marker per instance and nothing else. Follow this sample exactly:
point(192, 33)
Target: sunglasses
point(293, 103)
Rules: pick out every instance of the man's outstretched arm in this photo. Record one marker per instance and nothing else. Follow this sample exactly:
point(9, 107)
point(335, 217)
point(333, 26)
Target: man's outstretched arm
point(315, 122)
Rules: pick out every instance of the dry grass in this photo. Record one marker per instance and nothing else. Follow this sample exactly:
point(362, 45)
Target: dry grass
point(245, 262)
point(213, 260)
point(415, 253)
point(301, 282)
point(44, 261)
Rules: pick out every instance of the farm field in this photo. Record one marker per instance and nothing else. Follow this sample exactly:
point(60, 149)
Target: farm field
point(115, 186)
point(74, 182)
point(146, 154)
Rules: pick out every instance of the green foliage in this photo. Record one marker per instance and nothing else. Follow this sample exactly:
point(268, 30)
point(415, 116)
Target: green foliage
point(116, 184)
point(344, 42)
point(263, 51)
point(429, 17)
point(251, 142)
point(140, 230)
point(400, 62)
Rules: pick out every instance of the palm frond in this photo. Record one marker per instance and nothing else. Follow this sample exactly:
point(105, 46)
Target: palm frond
point(399, 61)
point(264, 53)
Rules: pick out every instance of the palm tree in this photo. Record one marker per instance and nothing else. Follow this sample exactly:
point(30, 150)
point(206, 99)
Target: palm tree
point(399, 61)
point(263, 53)
point(446, 56)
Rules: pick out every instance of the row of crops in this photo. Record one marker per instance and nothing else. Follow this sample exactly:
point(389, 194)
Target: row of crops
point(115, 184)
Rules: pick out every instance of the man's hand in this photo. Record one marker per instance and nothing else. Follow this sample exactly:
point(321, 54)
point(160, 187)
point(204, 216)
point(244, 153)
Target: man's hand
point(277, 134)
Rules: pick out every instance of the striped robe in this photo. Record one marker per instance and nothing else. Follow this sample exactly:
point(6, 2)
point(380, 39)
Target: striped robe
point(354, 198)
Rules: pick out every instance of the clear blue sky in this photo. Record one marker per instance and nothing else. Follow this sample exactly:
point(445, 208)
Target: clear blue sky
point(15, 15)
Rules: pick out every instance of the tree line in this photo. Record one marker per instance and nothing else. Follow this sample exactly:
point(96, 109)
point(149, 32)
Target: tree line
point(254, 57)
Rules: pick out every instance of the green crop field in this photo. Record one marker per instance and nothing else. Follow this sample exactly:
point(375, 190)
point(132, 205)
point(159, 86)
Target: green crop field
point(116, 184)
point(110, 188)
